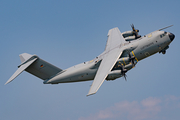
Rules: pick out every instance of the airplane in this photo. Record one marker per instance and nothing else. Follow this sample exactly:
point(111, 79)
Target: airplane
point(122, 52)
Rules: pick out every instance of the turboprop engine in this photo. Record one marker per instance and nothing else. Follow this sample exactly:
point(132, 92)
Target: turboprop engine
point(121, 67)
point(131, 35)
point(119, 73)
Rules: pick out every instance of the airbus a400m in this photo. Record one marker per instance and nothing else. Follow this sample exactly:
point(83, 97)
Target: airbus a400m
point(122, 52)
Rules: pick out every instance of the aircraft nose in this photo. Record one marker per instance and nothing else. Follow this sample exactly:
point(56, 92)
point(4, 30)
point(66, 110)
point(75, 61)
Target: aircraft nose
point(171, 36)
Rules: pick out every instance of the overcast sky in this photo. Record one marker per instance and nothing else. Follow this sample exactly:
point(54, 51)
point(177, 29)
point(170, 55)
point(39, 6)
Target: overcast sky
point(66, 33)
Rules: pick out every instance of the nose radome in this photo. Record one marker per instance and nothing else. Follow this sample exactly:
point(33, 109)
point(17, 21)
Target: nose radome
point(171, 36)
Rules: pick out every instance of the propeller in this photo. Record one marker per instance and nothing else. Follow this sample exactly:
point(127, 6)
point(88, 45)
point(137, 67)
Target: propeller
point(123, 71)
point(135, 31)
point(131, 59)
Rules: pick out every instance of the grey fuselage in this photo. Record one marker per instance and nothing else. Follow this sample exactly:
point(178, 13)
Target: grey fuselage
point(157, 41)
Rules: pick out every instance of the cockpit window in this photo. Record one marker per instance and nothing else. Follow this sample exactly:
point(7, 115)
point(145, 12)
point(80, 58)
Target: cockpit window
point(163, 35)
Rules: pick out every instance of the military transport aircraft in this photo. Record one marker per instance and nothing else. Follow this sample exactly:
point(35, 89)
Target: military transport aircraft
point(122, 52)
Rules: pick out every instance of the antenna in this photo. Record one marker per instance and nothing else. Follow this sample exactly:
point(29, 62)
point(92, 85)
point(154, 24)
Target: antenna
point(165, 28)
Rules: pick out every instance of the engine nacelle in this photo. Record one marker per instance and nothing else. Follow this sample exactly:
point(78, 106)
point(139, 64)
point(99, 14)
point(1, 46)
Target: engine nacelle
point(117, 73)
point(127, 34)
point(124, 60)
point(130, 38)
point(114, 74)
point(131, 35)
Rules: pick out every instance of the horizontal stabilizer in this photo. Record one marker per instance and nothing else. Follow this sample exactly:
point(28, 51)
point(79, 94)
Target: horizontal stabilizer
point(20, 70)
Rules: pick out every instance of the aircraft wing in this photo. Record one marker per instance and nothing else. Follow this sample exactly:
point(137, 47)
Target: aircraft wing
point(111, 54)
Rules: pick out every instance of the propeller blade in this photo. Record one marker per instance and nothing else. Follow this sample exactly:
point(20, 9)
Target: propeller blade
point(131, 59)
point(133, 27)
point(125, 77)
point(123, 72)
point(133, 65)
point(135, 31)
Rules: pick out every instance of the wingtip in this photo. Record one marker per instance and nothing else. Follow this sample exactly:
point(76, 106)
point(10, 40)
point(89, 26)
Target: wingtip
point(90, 94)
point(7, 82)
